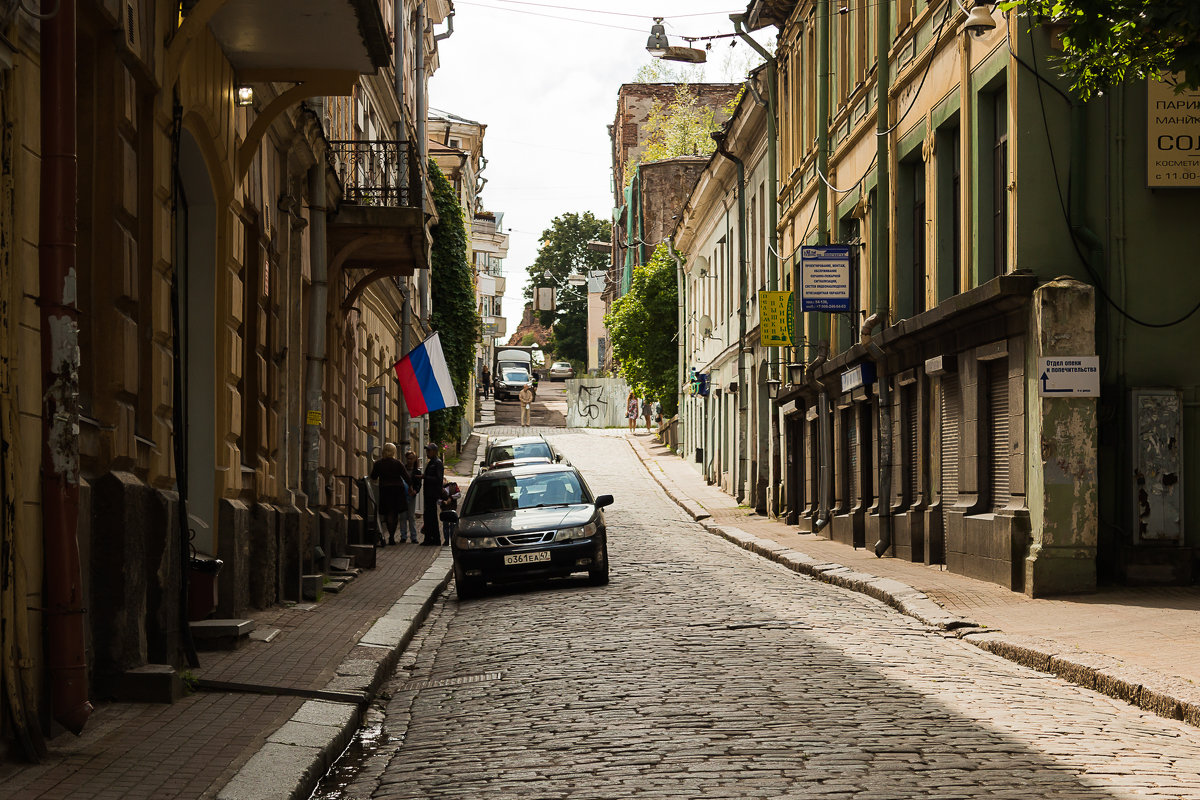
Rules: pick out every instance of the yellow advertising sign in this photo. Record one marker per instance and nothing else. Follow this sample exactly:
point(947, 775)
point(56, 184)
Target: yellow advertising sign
point(313, 418)
point(776, 319)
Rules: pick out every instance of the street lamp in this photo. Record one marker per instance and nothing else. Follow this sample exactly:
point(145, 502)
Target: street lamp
point(979, 20)
point(245, 95)
point(795, 374)
point(773, 388)
point(657, 44)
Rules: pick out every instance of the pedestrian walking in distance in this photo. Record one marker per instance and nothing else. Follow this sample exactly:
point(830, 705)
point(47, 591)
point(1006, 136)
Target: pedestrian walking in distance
point(631, 410)
point(648, 411)
point(526, 398)
point(408, 521)
point(431, 481)
point(485, 379)
point(392, 479)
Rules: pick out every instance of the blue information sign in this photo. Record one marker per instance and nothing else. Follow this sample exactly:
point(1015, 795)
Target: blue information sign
point(825, 278)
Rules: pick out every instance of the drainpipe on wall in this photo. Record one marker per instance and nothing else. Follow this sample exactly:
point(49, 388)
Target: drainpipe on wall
point(819, 325)
point(64, 613)
point(883, 387)
point(422, 26)
point(446, 34)
point(1079, 151)
point(883, 76)
point(743, 423)
point(825, 439)
point(317, 315)
point(772, 236)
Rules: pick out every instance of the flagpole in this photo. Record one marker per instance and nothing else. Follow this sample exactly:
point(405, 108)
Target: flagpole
point(392, 368)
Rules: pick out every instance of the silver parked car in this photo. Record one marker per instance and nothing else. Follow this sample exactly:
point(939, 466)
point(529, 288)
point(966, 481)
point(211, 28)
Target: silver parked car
point(560, 371)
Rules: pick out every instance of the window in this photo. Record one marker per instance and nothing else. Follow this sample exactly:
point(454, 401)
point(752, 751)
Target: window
point(999, 183)
point(910, 236)
point(949, 210)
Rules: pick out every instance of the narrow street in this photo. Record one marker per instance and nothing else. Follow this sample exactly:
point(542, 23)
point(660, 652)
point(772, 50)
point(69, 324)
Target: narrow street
point(703, 671)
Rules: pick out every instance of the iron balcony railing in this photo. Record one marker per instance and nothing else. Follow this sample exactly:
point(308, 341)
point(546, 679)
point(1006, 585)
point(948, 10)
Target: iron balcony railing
point(377, 173)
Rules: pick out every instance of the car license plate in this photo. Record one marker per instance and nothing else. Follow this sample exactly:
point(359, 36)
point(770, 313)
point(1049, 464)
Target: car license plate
point(526, 558)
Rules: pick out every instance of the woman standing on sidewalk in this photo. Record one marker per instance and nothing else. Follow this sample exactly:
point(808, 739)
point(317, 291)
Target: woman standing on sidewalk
point(631, 410)
point(393, 491)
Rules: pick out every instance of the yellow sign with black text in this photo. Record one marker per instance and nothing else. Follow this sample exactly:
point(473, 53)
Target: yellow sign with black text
point(776, 319)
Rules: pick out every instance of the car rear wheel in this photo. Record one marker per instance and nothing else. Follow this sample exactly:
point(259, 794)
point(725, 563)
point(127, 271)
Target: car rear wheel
point(598, 572)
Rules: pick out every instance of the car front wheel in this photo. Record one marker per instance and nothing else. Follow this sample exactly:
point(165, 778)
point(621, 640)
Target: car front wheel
point(467, 588)
point(598, 572)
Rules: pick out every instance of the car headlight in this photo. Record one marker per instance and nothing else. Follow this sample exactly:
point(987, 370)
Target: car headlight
point(579, 532)
point(475, 542)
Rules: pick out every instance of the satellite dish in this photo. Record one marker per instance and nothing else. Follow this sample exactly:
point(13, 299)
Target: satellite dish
point(705, 327)
point(700, 265)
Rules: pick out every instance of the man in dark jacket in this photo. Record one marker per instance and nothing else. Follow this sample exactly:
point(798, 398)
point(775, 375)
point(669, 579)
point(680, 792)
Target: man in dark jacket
point(431, 487)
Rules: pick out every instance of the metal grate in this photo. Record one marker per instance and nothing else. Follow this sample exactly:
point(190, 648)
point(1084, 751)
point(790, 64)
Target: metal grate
point(951, 416)
point(998, 425)
point(908, 407)
point(482, 677)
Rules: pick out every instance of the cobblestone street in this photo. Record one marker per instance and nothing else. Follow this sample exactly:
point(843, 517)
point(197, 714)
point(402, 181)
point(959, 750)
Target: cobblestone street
point(703, 671)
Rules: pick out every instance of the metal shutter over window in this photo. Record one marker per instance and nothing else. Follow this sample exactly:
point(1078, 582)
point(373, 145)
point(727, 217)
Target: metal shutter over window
point(951, 444)
point(852, 457)
point(999, 447)
point(908, 407)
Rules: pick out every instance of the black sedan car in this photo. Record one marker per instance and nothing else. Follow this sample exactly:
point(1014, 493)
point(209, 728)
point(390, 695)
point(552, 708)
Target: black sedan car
point(533, 521)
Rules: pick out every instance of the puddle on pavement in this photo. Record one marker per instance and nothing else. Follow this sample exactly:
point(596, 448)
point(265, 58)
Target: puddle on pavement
point(367, 741)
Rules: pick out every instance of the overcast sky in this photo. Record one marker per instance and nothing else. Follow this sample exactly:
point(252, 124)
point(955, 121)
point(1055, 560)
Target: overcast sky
point(543, 76)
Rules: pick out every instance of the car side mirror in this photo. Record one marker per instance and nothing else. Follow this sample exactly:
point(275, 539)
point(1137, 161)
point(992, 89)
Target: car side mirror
point(558, 457)
point(604, 500)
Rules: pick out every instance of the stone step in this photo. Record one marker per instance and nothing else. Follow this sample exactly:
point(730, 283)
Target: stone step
point(312, 586)
point(335, 585)
point(363, 555)
point(220, 634)
point(151, 683)
point(339, 564)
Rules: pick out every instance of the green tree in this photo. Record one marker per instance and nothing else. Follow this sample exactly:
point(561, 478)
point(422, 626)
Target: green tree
point(565, 252)
point(643, 328)
point(682, 127)
point(659, 71)
point(1108, 42)
point(453, 292)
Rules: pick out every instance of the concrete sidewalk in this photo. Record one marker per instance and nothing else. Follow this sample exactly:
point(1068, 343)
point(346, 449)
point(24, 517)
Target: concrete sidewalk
point(300, 687)
point(1137, 644)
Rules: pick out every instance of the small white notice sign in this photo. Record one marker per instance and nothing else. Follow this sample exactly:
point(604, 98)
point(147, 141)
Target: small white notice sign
point(1069, 376)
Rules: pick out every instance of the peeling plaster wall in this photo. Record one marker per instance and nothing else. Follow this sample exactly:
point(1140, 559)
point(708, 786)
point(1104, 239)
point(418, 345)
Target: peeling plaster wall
point(1063, 479)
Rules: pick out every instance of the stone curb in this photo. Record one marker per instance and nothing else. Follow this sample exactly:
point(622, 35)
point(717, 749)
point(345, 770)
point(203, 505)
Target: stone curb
point(1164, 695)
point(296, 756)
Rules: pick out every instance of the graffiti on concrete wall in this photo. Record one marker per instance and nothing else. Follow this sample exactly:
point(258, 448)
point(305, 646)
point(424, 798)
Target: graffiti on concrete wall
point(596, 402)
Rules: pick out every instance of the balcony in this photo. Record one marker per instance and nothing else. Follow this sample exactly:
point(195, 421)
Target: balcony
point(270, 40)
point(489, 285)
point(380, 223)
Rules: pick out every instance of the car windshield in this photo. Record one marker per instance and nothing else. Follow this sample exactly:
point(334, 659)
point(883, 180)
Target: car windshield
point(508, 452)
point(516, 376)
point(561, 365)
point(525, 491)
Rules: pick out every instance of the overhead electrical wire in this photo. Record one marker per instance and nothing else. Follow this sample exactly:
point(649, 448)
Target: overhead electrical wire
point(613, 13)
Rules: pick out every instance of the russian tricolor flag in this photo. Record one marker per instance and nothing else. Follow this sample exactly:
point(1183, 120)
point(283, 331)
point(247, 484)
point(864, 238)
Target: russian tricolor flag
point(425, 378)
